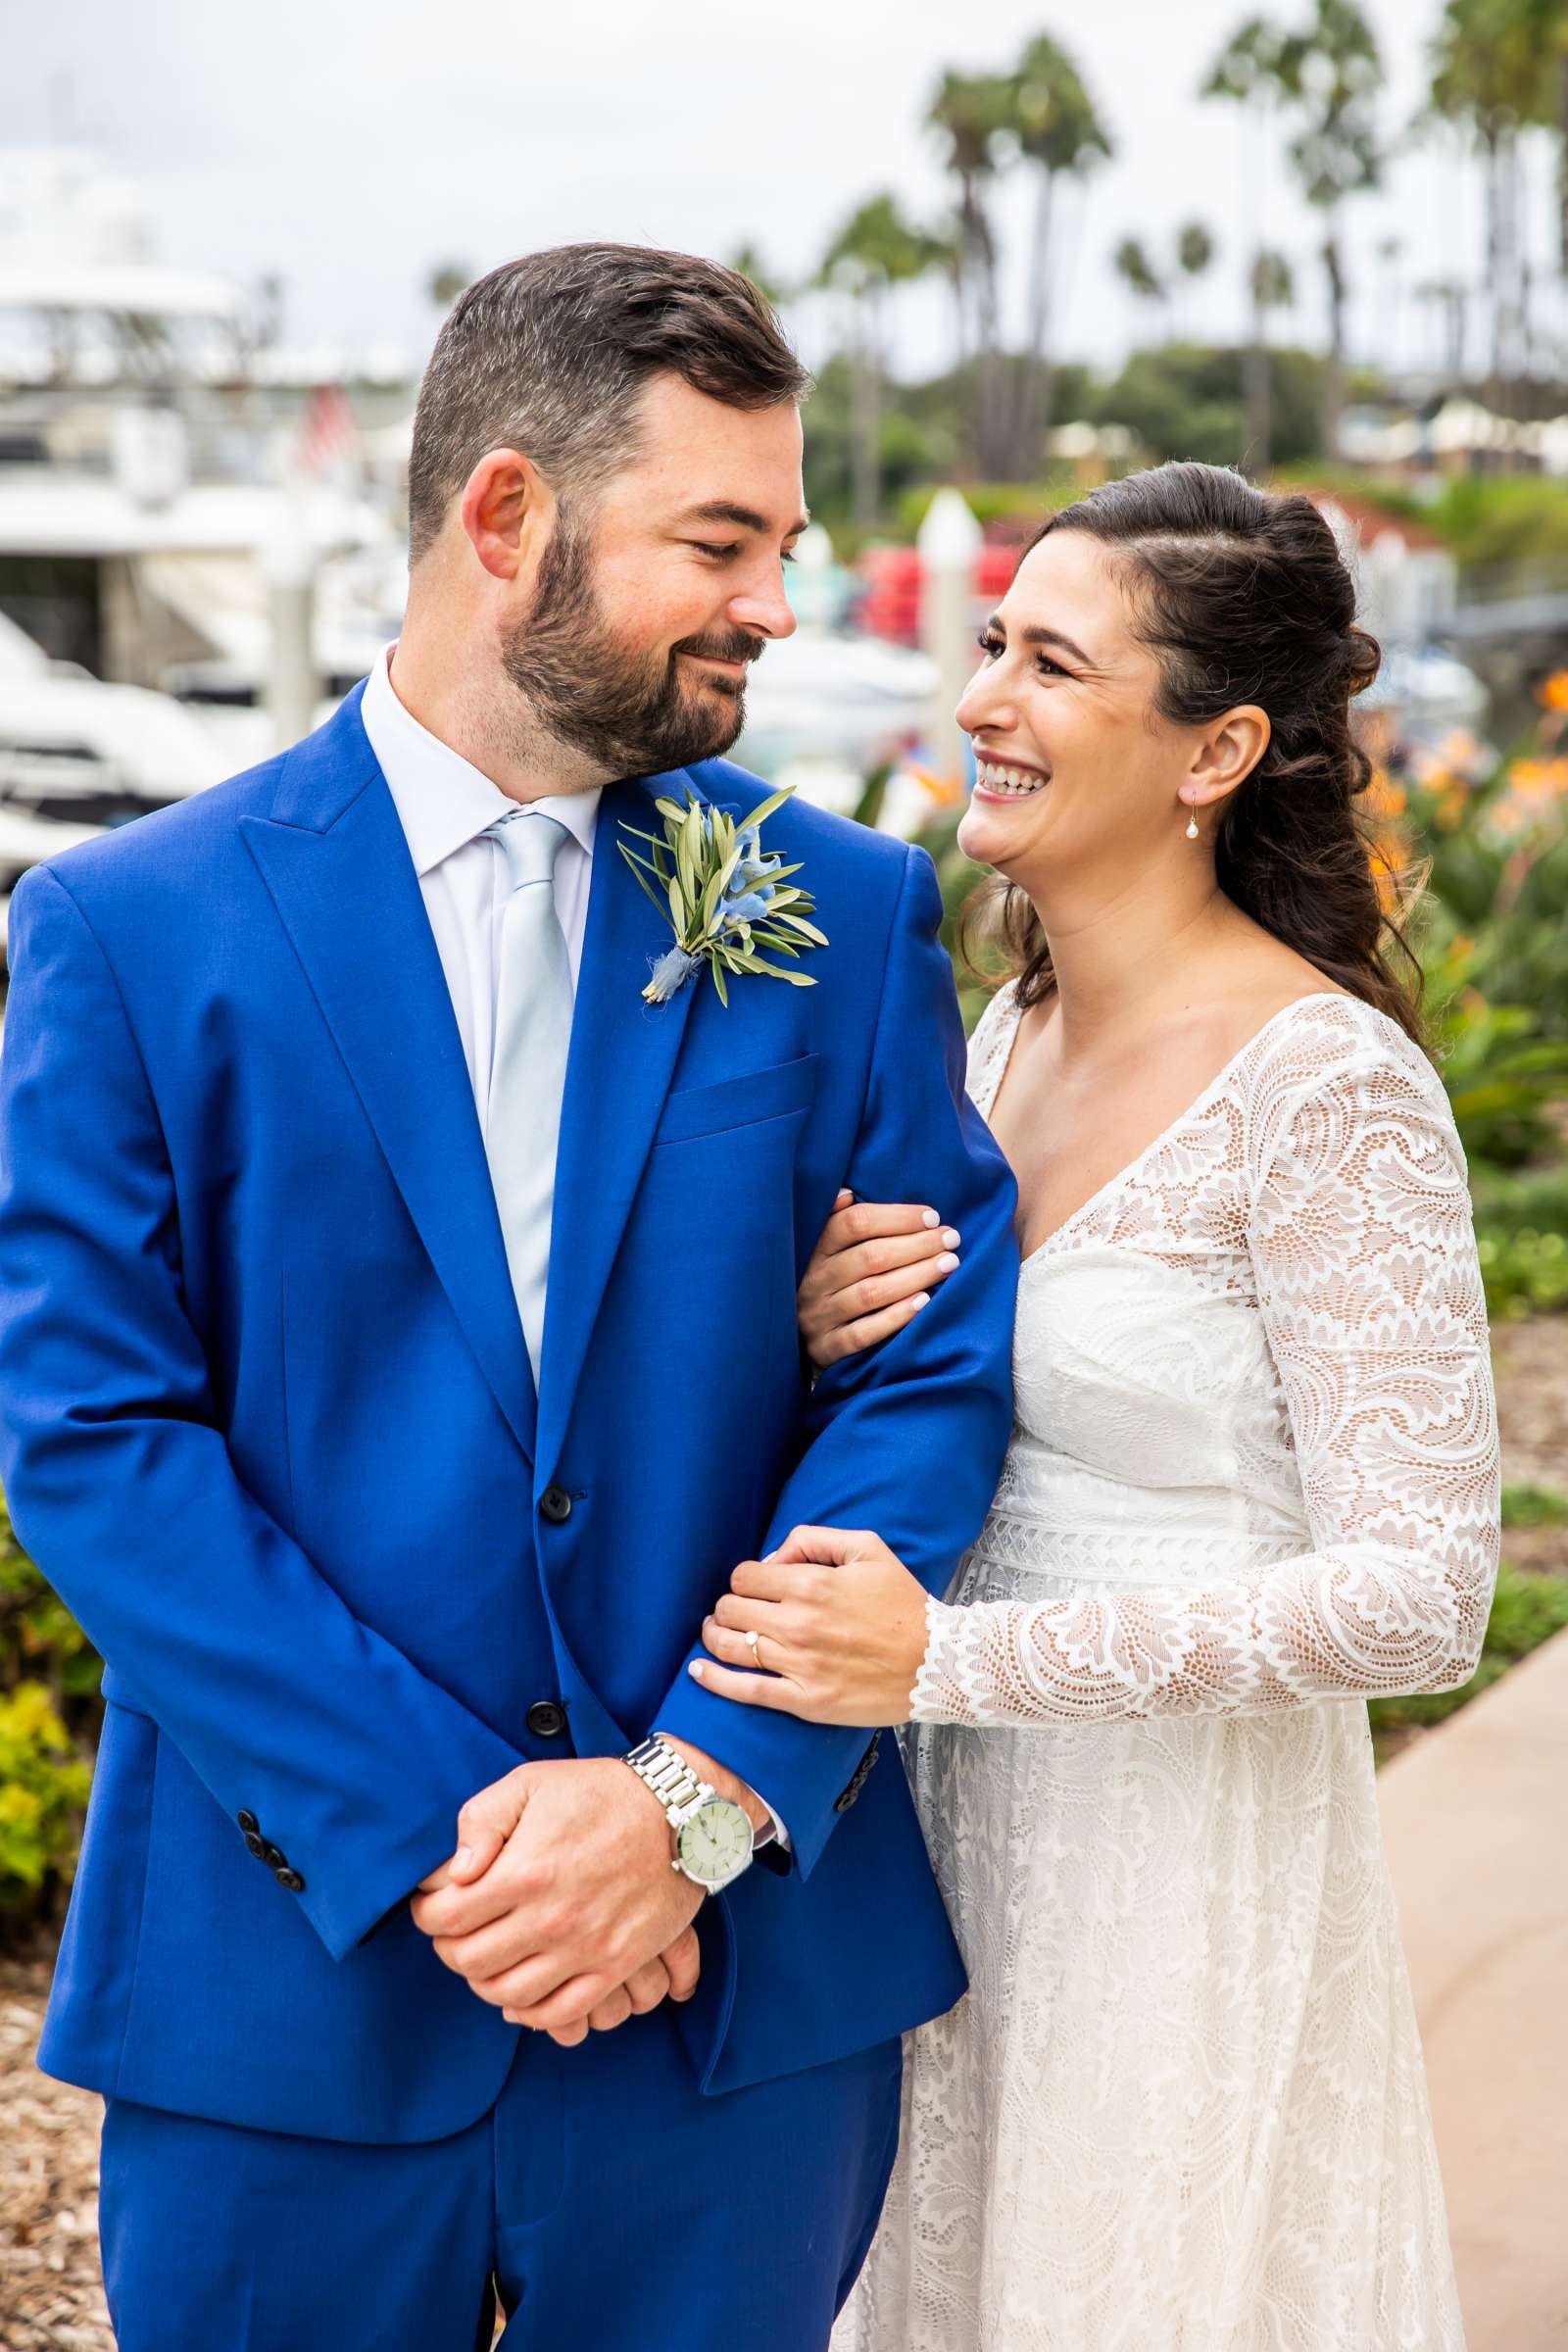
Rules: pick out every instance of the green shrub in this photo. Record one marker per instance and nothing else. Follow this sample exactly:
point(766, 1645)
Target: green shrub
point(43, 1789)
point(49, 1715)
point(1502, 519)
point(994, 501)
point(1533, 1507)
point(40, 1640)
point(1526, 1611)
point(1525, 1273)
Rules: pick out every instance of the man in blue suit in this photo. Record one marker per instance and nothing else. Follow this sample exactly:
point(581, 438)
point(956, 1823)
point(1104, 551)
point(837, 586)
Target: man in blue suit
point(398, 1350)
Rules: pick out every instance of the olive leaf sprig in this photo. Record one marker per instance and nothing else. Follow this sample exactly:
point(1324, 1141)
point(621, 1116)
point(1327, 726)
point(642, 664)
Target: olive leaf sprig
point(724, 897)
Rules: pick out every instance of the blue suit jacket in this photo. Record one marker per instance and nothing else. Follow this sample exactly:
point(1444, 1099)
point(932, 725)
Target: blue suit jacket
point(269, 1427)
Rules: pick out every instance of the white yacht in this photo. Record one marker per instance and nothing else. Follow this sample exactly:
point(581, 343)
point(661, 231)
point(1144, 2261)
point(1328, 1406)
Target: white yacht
point(77, 756)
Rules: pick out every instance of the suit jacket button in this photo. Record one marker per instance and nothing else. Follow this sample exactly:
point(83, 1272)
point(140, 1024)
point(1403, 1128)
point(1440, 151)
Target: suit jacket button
point(273, 1856)
point(291, 1879)
point(258, 1845)
point(248, 1823)
point(546, 1720)
point(556, 1504)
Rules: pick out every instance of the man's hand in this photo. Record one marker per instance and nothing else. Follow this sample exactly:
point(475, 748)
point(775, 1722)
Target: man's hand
point(673, 1976)
point(561, 1903)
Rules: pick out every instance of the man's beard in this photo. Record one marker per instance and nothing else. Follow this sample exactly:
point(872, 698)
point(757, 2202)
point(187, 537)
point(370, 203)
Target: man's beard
point(628, 714)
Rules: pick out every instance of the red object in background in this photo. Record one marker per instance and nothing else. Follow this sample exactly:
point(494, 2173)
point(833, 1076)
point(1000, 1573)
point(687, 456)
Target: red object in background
point(327, 430)
point(889, 601)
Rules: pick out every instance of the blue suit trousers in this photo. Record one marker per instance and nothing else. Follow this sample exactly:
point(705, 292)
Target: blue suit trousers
point(602, 2201)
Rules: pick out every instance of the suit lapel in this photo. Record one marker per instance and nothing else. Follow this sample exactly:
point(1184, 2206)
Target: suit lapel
point(623, 1055)
point(334, 858)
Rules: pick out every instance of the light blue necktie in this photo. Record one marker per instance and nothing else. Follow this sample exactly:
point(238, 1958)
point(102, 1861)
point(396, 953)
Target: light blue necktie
point(528, 1066)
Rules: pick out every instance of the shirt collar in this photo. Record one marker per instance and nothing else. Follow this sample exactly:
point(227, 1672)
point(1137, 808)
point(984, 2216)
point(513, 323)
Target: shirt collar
point(442, 800)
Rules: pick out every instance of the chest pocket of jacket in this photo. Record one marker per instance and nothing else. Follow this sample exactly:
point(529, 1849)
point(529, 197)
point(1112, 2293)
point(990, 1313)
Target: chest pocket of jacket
point(760, 1095)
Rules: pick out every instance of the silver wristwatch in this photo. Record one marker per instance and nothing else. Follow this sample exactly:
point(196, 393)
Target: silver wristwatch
point(712, 1834)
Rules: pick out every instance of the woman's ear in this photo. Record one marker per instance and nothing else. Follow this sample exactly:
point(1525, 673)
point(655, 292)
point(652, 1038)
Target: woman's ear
point(1226, 756)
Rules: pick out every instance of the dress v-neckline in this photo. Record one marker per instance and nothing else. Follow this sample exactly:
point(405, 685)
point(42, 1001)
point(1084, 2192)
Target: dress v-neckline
point(1197, 1106)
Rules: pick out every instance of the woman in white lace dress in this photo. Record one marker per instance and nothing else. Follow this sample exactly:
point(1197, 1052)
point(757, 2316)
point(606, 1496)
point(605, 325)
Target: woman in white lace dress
point(1253, 1480)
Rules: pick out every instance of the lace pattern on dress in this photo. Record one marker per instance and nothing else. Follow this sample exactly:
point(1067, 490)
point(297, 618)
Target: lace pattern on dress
point(1252, 1474)
point(1329, 1147)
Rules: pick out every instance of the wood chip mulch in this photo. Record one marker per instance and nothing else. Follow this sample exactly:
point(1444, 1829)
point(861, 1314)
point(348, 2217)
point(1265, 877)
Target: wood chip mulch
point(50, 2296)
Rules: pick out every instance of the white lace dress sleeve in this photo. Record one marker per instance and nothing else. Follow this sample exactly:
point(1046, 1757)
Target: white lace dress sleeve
point(1363, 1249)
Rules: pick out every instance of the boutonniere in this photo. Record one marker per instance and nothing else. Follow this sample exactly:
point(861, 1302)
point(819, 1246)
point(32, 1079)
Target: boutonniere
point(723, 895)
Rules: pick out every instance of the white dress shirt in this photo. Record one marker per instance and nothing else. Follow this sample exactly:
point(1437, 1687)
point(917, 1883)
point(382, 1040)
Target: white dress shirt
point(444, 804)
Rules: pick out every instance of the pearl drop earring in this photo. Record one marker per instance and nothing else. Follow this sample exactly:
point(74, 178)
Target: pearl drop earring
point(1191, 826)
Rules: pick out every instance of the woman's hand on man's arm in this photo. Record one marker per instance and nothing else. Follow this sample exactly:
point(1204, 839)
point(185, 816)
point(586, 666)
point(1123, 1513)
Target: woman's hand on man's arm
point(871, 1272)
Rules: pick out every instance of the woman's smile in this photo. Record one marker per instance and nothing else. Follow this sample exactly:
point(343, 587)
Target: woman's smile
point(998, 777)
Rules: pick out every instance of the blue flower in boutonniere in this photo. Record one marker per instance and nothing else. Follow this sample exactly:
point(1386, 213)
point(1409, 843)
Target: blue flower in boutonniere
point(724, 897)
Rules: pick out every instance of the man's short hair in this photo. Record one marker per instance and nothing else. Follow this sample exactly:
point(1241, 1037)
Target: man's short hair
point(549, 356)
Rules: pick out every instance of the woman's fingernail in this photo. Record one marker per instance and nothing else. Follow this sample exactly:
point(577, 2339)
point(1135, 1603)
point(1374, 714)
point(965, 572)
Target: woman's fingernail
point(921, 1299)
point(947, 1264)
point(929, 1219)
point(695, 1670)
point(950, 1238)
point(463, 1857)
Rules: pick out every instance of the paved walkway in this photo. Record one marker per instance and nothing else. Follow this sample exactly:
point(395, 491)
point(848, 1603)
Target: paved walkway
point(1476, 1819)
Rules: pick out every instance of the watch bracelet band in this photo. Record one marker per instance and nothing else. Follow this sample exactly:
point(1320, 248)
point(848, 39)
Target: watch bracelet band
point(679, 1789)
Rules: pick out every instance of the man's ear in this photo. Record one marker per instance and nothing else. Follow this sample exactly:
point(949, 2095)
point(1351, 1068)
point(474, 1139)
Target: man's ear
point(1227, 755)
point(508, 512)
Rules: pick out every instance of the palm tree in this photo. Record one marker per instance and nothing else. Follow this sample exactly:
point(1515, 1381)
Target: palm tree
point(1553, 30)
point(1327, 74)
point(1195, 249)
point(1330, 73)
point(1150, 281)
point(1538, 31)
point(1248, 71)
point(748, 260)
point(446, 282)
point(1271, 286)
point(1060, 133)
point(1496, 69)
point(875, 250)
point(1272, 281)
point(1451, 298)
point(1391, 253)
point(973, 114)
point(1137, 272)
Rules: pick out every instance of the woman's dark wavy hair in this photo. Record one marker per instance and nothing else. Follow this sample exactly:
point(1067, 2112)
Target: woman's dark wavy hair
point(1242, 596)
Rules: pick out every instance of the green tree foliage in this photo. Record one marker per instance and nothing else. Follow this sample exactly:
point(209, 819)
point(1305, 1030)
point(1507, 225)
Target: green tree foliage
point(1041, 118)
point(1137, 272)
point(49, 1713)
point(876, 250)
point(1188, 400)
point(1060, 137)
point(1527, 1610)
point(916, 442)
point(1499, 69)
point(748, 260)
point(446, 282)
point(971, 114)
point(1329, 74)
point(1246, 73)
point(1195, 249)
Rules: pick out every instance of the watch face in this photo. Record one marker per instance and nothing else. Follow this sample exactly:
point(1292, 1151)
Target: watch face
point(716, 1842)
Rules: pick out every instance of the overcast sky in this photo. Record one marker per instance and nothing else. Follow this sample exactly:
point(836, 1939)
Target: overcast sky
point(352, 146)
